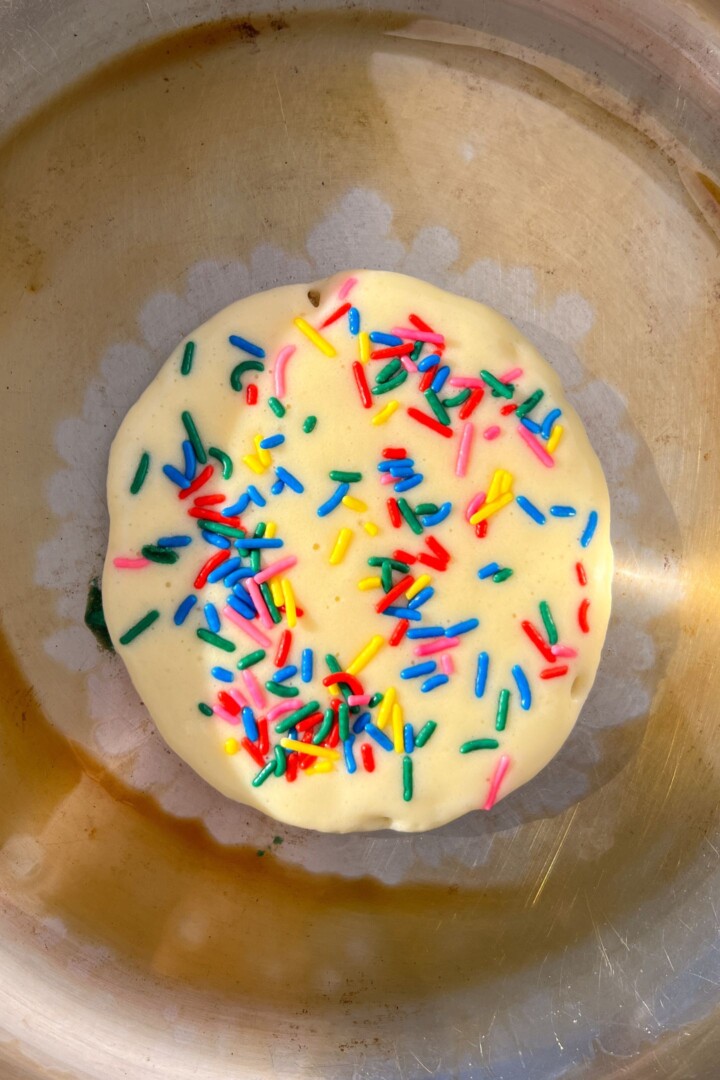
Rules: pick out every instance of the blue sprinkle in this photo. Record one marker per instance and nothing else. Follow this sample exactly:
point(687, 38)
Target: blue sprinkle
point(411, 482)
point(433, 682)
point(256, 496)
point(531, 425)
point(590, 528)
point(252, 542)
point(403, 472)
point(240, 593)
point(462, 627)
point(174, 541)
point(408, 738)
point(190, 459)
point(277, 488)
point(547, 424)
point(246, 346)
point(428, 362)
point(176, 476)
point(249, 723)
point(237, 508)
point(285, 673)
point(530, 509)
point(415, 671)
point(403, 613)
point(440, 379)
point(242, 608)
point(379, 736)
point(354, 321)
point(430, 520)
point(271, 441)
point(425, 631)
point(222, 674)
point(212, 618)
point(393, 463)
point(523, 687)
point(293, 733)
point(488, 570)
point(563, 511)
point(306, 665)
point(287, 478)
point(237, 575)
point(213, 538)
point(422, 597)
point(348, 754)
point(334, 501)
point(385, 339)
point(224, 570)
point(184, 609)
point(482, 674)
point(361, 723)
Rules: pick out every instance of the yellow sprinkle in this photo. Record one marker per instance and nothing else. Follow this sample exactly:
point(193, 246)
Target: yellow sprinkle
point(418, 585)
point(365, 655)
point(386, 705)
point(371, 528)
point(369, 583)
point(312, 335)
point(397, 728)
point(342, 543)
point(253, 463)
point(386, 413)
point(270, 530)
point(289, 598)
point(354, 504)
point(555, 437)
point(310, 748)
point(364, 346)
point(494, 489)
point(506, 482)
point(320, 767)
point(276, 591)
point(231, 746)
point(264, 456)
point(489, 508)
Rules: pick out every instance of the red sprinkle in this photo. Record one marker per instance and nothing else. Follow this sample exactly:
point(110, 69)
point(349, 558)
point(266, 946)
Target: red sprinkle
point(469, 406)
point(399, 632)
point(291, 768)
point(283, 648)
point(200, 479)
point(362, 384)
point(581, 575)
point(437, 548)
point(432, 562)
point(228, 703)
point(430, 422)
point(393, 350)
point(309, 722)
point(509, 408)
point(404, 556)
point(251, 394)
point(253, 751)
point(342, 678)
point(209, 500)
point(263, 736)
point(207, 569)
point(538, 641)
point(334, 737)
point(366, 752)
point(427, 378)
point(420, 324)
point(397, 590)
point(212, 515)
point(554, 672)
point(394, 513)
point(394, 452)
point(481, 529)
point(582, 616)
point(338, 314)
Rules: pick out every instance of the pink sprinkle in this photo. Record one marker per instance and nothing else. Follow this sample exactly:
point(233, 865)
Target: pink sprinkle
point(123, 563)
point(280, 361)
point(359, 699)
point(387, 478)
point(411, 334)
point(563, 650)
point(282, 709)
point(259, 602)
point(466, 441)
point(474, 505)
point(408, 364)
point(274, 569)
point(497, 778)
point(254, 689)
point(491, 433)
point(236, 695)
point(465, 380)
point(447, 665)
point(225, 714)
point(539, 451)
point(514, 373)
point(250, 629)
point(439, 645)
point(346, 286)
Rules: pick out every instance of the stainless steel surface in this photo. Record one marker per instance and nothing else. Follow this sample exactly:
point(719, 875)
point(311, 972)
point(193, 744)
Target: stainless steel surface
point(559, 160)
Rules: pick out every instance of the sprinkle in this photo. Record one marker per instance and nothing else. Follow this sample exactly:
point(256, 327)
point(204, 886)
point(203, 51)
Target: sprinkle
point(224, 459)
point(309, 424)
point(502, 575)
point(283, 649)
point(204, 709)
point(498, 388)
point(540, 452)
point(354, 504)
point(222, 674)
point(139, 627)
point(590, 528)
point(429, 521)
point(378, 338)
point(471, 404)
point(466, 441)
point(396, 612)
point(123, 563)
point(277, 407)
point(212, 563)
point(564, 651)
point(582, 616)
point(287, 478)
point(386, 706)
point(246, 346)
point(194, 437)
point(397, 590)
point(344, 476)
point(342, 543)
point(335, 315)
point(475, 503)
point(530, 509)
point(490, 508)
point(407, 778)
point(408, 738)
point(581, 573)
point(385, 413)
point(212, 617)
point(512, 375)
point(265, 772)
point(272, 441)
point(394, 513)
point(368, 583)
point(140, 473)
point(433, 647)
point(491, 433)
point(184, 609)
point(247, 626)
point(354, 321)
point(430, 422)
point(433, 682)
point(274, 687)
point(548, 422)
point(422, 598)
point(554, 672)
point(479, 744)
point(548, 622)
point(251, 394)
point(253, 463)
point(366, 654)
point(312, 335)
point(176, 476)
point(426, 632)
point(346, 287)
point(502, 710)
point(425, 733)
point(563, 511)
point(370, 528)
point(187, 358)
point(441, 413)
point(190, 459)
point(368, 758)
point(415, 671)
point(231, 746)
point(529, 404)
point(482, 674)
point(497, 778)
point(488, 570)
point(419, 335)
point(379, 736)
point(248, 719)
point(398, 633)
point(418, 585)
point(537, 640)
point(440, 379)
point(289, 602)
point(523, 687)
point(215, 639)
point(310, 748)
point(410, 516)
point(296, 716)
point(462, 627)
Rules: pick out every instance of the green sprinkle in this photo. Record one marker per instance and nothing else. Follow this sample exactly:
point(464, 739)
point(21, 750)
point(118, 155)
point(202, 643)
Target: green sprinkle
point(239, 370)
point(324, 730)
point(409, 516)
point(262, 776)
point(498, 388)
point(333, 663)
point(391, 384)
point(280, 690)
point(309, 424)
point(342, 477)
point(159, 554)
point(502, 575)
point(278, 840)
point(260, 530)
point(479, 744)
point(187, 358)
point(140, 473)
point(139, 627)
point(268, 598)
point(344, 721)
point(425, 733)
point(192, 434)
point(388, 371)
point(502, 710)
point(437, 407)
point(386, 576)
point(251, 659)
point(415, 354)
point(294, 718)
point(529, 404)
point(224, 459)
point(548, 622)
point(280, 760)
point(427, 508)
point(95, 617)
point(215, 639)
point(375, 700)
point(380, 560)
point(458, 399)
point(277, 406)
point(220, 529)
point(204, 709)
point(407, 778)
point(255, 560)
